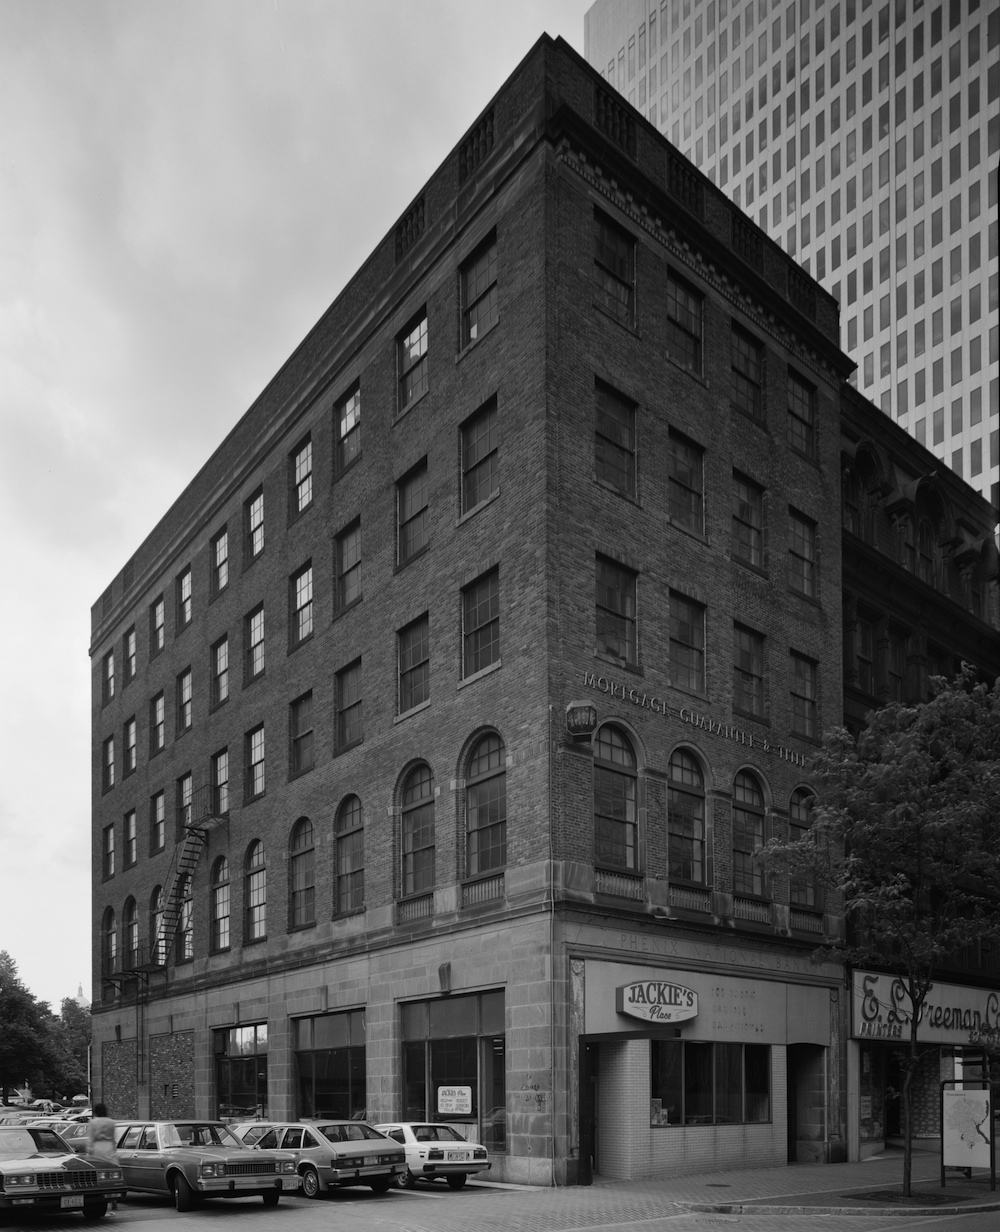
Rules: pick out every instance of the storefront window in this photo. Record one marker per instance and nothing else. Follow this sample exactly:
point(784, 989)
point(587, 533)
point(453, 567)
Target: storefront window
point(330, 1060)
point(241, 1072)
point(710, 1084)
point(454, 1064)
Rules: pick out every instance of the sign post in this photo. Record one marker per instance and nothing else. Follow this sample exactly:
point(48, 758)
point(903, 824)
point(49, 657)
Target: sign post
point(967, 1138)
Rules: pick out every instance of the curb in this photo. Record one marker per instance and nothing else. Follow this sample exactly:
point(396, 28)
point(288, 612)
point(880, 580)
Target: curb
point(752, 1208)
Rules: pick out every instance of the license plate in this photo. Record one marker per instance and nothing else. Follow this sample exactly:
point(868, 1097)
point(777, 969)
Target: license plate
point(456, 1155)
point(370, 1161)
point(71, 1201)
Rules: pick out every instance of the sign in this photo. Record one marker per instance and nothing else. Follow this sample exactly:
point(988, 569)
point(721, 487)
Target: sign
point(456, 1101)
point(656, 1001)
point(966, 1125)
point(951, 1013)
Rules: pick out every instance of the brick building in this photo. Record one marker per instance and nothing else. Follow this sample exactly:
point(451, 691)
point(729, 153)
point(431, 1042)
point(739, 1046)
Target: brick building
point(435, 725)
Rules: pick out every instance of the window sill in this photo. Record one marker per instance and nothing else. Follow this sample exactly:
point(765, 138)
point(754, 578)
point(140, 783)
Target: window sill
point(346, 748)
point(633, 668)
point(471, 513)
point(295, 517)
point(695, 376)
point(759, 719)
point(813, 602)
point(217, 705)
point(757, 420)
point(474, 342)
point(698, 535)
point(301, 928)
point(249, 561)
point(340, 472)
point(249, 680)
point(348, 607)
point(631, 497)
point(254, 941)
point(746, 564)
point(408, 714)
point(701, 694)
point(410, 559)
point(181, 733)
point(247, 800)
point(182, 629)
point(297, 774)
point(483, 671)
point(347, 915)
point(217, 594)
point(293, 646)
point(222, 949)
point(813, 740)
point(409, 407)
point(156, 752)
point(811, 458)
point(628, 326)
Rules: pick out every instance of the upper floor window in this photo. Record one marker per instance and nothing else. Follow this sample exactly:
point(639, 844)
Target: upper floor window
point(684, 323)
point(185, 701)
point(804, 692)
point(614, 268)
point(255, 893)
point(350, 857)
point(108, 851)
point(349, 565)
point(418, 831)
point(896, 665)
point(802, 888)
point(129, 655)
point(411, 353)
point(253, 644)
point(300, 466)
point(301, 596)
point(802, 554)
point(253, 763)
point(157, 822)
point(747, 374)
point(480, 302)
point(157, 723)
point(486, 807)
point(253, 526)
point(412, 497)
point(183, 586)
point(300, 734)
point(220, 671)
point(748, 834)
point(220, 904)
point(686, 818)
point(157, 941)
point(414, 649)
point(109, 943)
point(108, 677)
point(350, 706)
point(481, 623)
point(614, 440)
point(348, 427)
point(220, 562)
point(851, 497)
point(185, 800)
point(926, 551)
point(131, 839)
point(185, 922)
point(302, 875)
point(687, 643)
point(616, 817)
point(748, 521)
point(801, 416)
point(108, 763)
point(480, 456)
point(220, 782)
point(865, 640)
point(686, 484)
point(157, 631)
point(616, 612)
point(748, 671)
point(129, 750)
point(130, 935)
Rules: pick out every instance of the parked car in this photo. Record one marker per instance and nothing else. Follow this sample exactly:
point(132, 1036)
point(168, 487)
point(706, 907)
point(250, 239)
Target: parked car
point(330, 1153)
point(38, 1171)
point(191, 1160)
point(434, 1152)
point(73, 1133)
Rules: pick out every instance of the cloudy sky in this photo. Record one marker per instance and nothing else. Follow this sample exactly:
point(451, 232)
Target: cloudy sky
point(185, 185)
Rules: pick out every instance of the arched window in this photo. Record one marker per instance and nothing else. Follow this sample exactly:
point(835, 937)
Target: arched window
point(615, 792)
point(486, 807)
point(801, 888)
point(255, 893)
point(686, 818)
point(185, 929)
point(220, 904)
point(302, 875)
point(926, 552)
point(851, 496)
point(748, 834)
point(418, 831)
point(130, 936)
point(157, 942)
point(109, 942)
point(349, 828)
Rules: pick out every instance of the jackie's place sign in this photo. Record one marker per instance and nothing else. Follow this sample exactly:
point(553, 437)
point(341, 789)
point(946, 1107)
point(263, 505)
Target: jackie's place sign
point(656, 1001)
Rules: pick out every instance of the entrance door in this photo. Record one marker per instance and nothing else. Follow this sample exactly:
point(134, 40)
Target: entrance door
point(589, 1074)
point(806, 1103)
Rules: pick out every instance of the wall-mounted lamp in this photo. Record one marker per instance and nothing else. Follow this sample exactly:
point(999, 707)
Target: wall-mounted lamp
point(581, 719)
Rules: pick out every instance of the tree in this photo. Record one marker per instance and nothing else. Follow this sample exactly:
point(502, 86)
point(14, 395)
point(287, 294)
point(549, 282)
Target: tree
point(26, 1052)
point(907, 832)
point(71, 1040)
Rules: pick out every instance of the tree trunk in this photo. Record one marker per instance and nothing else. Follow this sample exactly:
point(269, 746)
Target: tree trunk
point(909, 1069)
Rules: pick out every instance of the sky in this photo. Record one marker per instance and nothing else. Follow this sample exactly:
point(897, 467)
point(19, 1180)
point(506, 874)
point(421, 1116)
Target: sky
point(185, 186)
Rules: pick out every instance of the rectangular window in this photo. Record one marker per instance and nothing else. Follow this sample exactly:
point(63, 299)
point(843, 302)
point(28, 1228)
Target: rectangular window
point(183, 590)
point(108, 677)
point(616, 612)
point(220, 782)
point(414, 648)
point(866, 655)
point(614, 269)
point(687, 643)
point(131, 839)
point(803, 696)
point(185, 702)
point(348, 566)
point(801, 416)
point(220, 671)
point(412, 497)
point(253, 644)
point(747, 374)
point(802, 554)
point(253, 762)
point(350, 715)
point(220, 563)
point(301, 602)
point(748, 521)
point(748, 671)
point(614, 439)
point(480, 302)
point(710, 1084)
point(686, 484)
point(108, 851)
point(411, 356)
point(253, 527)
point(347, 420)
point(896, 666)
point(185, 799)
point(157, 724)
point(684, 323)
point(157, 822)
point(350, 840)
point(157, 631)
point(300, 734)
point(108, 763)
point(481, 623)
point(480, 456)
point(129, 655)
point(300, 475)
point(129, 750)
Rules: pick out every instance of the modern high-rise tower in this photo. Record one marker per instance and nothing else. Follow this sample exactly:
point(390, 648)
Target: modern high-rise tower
point(863, 138)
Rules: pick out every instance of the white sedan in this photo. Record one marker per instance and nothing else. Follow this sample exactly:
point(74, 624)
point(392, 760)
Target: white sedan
point(435, 1152)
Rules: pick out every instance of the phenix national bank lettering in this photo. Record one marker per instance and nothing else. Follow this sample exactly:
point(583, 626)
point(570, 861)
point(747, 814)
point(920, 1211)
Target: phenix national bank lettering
point(649, 701)
point(657, 1001)
point(951, 1013)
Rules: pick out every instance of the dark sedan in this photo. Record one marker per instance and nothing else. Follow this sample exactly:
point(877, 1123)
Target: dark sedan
point(39, 1172)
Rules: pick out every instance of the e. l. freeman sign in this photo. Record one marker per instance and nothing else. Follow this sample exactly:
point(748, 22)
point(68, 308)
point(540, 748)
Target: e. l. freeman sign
point(951, 1013)
point(657, 1001)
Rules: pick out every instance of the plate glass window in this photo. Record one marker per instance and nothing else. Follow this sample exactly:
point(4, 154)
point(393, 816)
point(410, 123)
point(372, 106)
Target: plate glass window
point(486, 807)
point(481, 623)
point(350, 839)
point(614, 440)
point(241, 1072)
point(704, 1084)
point(302, 875)
point(348, 422)
point(253, 643)
point(301, 734)
point(349, 566)
point(412, 496)
point(253, 754)
point(302, 605)
point(255, 893)
point(412, 354)
point(414, 664)
point(615, 800)
point(748, 522)
point(480, 303)
point(686, 484)
point(616, 612)
point(418, 831)
point(614, 269)
point(684, 324)
point(350, 715)
point(480, 457)
point(302, 477)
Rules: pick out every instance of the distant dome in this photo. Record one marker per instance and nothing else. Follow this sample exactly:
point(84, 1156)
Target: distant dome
point(80, 999)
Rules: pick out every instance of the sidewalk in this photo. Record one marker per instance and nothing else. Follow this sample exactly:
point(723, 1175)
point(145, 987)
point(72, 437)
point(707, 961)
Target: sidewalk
point(873, 1187)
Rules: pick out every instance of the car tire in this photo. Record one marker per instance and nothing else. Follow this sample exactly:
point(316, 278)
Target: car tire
point(271, 1197)
point(406, 1179)
point(456, 1179)
point(94, 1210)
point(184, 1196)
point(310, 1183)
point(380, 1184)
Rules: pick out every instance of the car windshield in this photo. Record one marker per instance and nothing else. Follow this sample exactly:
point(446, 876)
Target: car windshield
point(349, 1131)
point(199, 1135)
point(436, 1133)
point(22, 1142)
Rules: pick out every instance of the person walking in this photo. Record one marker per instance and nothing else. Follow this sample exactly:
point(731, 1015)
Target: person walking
point(101, 1139)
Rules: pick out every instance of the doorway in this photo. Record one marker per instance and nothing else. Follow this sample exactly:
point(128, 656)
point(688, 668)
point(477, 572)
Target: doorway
point(590, 1054)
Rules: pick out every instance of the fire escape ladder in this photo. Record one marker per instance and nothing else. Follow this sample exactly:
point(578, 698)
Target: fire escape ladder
point(186, 856)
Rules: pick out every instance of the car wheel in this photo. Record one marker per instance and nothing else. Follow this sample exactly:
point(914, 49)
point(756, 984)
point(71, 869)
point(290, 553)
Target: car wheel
point(456, 1180)
point(271, 1197)
point(380, 1184)
point(94, 1210)
point(406, 1179)
point(184, 1195)
point(310, 1183)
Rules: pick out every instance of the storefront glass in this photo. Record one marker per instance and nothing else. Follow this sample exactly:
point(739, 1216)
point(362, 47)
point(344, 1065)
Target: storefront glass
point(330, 1064)
point(710, 1084)
point(241, 1072)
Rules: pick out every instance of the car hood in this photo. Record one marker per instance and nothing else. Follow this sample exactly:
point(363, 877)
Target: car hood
point(47, 1163)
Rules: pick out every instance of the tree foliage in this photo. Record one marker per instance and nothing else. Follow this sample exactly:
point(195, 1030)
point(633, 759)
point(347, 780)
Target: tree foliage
point(26, 1048)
